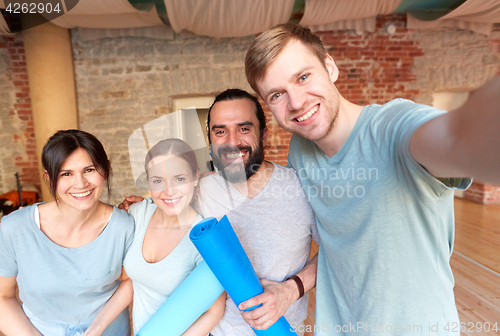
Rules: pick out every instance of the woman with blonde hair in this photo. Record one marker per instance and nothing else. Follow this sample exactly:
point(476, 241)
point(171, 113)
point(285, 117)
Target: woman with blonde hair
point(162, 255)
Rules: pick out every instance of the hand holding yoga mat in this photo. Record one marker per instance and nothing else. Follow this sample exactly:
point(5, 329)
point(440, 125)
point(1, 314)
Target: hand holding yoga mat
point(220, 248)
point(188, 302)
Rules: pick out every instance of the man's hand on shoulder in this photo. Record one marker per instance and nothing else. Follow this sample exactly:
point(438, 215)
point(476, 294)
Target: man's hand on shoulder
point(128, 201)
point(275, 300)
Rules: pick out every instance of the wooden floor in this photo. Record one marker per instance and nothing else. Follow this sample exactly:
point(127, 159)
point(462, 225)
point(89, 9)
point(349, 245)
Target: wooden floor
point(475, 264)
point(476, 267)
point(478, 232)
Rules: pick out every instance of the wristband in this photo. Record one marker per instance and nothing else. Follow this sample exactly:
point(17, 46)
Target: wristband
point(299, 283)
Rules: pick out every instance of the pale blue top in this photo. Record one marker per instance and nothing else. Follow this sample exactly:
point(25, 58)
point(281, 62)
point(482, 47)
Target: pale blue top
point(63, 287)
point(386, 227)
point(155, 282)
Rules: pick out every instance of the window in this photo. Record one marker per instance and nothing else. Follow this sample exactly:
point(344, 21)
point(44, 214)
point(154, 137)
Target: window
point(201, 104)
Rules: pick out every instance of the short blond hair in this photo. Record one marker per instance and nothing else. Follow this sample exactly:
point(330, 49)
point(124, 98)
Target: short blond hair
point(267, 46)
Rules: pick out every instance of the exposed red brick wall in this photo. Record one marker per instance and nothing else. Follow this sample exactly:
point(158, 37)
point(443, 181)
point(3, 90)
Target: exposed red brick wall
point(475, 192)
point(374, 68)
point(492, 194)
point(483, 193)
point(278, 140)
point(20, 112)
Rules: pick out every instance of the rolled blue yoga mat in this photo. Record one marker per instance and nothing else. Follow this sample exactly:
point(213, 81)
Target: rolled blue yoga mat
point(185, 305)
point(220, 248)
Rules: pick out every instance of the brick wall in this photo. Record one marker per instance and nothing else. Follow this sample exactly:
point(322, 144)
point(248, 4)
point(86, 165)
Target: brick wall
point(375, 67)
point(17, 139)
point(278, 138)
point(125, 82)
point(483, 193)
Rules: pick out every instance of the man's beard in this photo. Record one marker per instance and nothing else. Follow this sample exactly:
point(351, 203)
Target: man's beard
point(239, 172)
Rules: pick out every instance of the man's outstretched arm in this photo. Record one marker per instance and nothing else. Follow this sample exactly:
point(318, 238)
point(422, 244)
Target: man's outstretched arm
point(277, 297)
point(464, 142)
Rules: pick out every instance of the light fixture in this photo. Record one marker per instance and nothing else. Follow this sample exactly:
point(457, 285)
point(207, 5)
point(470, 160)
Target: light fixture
point(390, 28)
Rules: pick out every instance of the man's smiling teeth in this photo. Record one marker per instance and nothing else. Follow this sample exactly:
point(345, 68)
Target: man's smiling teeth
point(234, 155)
point(83, 194)
point(308, 114)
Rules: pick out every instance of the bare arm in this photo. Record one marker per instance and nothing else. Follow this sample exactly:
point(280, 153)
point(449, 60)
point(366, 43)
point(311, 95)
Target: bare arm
point(464, 142)
point(118, 302)
point(277, 297)
point(13, 321)
point(209, 319)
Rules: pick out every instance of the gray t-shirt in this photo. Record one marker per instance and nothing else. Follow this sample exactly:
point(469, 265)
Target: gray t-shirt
point(154, 282)
point(63, 287)
point(386, 228)
point(274, 228)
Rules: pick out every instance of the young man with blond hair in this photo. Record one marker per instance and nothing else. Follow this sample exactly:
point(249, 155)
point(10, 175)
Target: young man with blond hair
point(380, 179)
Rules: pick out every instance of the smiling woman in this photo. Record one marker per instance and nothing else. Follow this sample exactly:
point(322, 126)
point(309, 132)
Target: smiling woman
point(162, 255)
point(78, 146)
point(66, 255)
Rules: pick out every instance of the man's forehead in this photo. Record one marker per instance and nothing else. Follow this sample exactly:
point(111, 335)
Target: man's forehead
point(296, 50)
point(234, 111)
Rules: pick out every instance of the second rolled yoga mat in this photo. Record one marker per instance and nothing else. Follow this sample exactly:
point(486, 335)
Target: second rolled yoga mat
point(190, 300)
point(220, 248)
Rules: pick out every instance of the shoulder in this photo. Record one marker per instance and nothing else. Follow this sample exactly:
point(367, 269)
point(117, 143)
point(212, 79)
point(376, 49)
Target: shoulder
point(284, 174)
point(298, 143)
point(140, 208)
point(198, 219)
point(142, 211)
point(286, 188)
point(299, 148)
point(121, 215)
point(398, 104)
point(123, 219)
point(288, 181)
point(211, 184)
point(17, 220)
point(210, 180)
point(400, 108)
point(397, 119)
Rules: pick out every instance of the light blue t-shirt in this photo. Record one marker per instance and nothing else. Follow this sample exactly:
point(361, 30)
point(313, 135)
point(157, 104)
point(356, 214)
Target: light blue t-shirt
point(155, 282)
point(63, 288)
point(386, 228)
